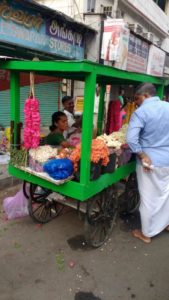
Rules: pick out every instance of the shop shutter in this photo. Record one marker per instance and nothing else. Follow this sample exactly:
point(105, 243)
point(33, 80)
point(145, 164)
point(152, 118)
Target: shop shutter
point(4, 108)
point(47, 94)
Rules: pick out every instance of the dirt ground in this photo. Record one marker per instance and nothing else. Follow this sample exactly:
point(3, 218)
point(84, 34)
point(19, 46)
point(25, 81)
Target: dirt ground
point(53, 262)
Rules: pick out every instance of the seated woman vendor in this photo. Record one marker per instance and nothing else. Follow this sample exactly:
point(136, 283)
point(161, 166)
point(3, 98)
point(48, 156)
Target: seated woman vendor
point(59, 125)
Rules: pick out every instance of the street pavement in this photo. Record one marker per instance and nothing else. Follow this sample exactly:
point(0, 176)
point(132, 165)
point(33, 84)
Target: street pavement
point(53, 262)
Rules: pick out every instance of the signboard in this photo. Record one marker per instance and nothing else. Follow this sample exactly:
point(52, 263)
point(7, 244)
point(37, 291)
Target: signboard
point(156, 61)
point(137, 55)
point(24, 79)
point(79, 104)
point(115, 42)
point(25, 27)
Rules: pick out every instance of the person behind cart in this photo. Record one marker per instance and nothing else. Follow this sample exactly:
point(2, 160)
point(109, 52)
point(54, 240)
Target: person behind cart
point(74, 124)
point(57, 129)
point(165, 98)
point(116, 114)
point(148, 137)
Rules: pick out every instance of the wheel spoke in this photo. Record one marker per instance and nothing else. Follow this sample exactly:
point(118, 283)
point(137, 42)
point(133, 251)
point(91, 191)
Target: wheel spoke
point(41, 205)
point(37, 197)
point(103, 232)
point(132, 199)
point(40, 208)
point(99, 221)
point(46, 212)
point(43, 213)
point(94, 231)
point(97, 237)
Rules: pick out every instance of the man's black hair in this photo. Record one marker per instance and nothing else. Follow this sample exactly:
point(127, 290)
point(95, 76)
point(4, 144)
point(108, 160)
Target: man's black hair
point(66, 98)
point(146, 88)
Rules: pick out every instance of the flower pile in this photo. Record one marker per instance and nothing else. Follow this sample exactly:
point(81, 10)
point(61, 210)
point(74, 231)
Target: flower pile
point(116, 139)
point(99, 152)
point(65, 153)
point(39, 156)
point(32, 123)
point(43, 153)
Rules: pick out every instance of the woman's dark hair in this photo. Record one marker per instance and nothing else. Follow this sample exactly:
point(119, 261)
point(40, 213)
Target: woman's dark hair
point(146, 88)
point(55, 118)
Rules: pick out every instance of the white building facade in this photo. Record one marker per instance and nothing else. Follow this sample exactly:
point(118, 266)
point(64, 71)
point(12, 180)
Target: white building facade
point(149, 19)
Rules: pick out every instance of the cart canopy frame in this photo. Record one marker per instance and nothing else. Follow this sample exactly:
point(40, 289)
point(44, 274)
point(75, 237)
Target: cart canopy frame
point(91, 73)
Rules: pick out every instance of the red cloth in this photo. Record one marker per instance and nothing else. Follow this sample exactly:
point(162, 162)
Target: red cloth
point(114, 117)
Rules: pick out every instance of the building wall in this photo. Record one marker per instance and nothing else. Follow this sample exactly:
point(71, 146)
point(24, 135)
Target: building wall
point(150, 17)
point(93, 43)
point(78, 88)
point(101, 3)
point(74, 9)
point(71, 8)
point(131, 17)
point(143, 12)
point(142, 9)
point(151, 12)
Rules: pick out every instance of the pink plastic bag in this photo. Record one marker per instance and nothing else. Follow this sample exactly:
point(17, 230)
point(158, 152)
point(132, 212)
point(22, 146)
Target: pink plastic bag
point(16, 206)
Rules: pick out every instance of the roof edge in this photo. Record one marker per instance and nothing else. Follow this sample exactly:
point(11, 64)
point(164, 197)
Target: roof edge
point(53, 13)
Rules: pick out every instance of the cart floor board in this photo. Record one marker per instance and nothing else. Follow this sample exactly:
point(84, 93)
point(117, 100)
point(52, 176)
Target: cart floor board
point(45, 176)
point(68, 201)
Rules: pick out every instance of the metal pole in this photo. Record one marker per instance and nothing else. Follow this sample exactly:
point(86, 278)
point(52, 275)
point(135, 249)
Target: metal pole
point(87, 127)
point(101, 109)
point(15, 101)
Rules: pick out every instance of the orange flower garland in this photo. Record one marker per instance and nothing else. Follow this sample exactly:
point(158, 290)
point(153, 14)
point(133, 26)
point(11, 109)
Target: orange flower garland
point(99, 152)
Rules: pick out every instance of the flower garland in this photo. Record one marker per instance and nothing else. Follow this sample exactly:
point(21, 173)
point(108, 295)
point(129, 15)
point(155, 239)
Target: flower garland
point(32, 123)
point(99, 152)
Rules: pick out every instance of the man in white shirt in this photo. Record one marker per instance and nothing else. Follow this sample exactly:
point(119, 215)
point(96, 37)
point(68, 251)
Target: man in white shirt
point(68, 104)
point(73, 124)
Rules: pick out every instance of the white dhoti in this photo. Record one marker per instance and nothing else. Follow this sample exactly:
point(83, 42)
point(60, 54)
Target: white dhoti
point(154, 193)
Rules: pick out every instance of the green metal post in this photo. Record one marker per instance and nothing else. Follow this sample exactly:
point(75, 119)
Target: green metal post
point(87, 127)
point(15, 100)
point(160, 91)
point(101, 109)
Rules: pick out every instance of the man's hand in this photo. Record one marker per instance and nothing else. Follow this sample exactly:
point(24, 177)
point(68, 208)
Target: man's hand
point(145, 160)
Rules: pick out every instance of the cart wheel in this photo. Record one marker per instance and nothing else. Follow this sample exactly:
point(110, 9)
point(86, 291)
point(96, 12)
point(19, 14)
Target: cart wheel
point(26, 190)
point(26, 187)
point(131, 195)
point(100, 217)
point(41, 209)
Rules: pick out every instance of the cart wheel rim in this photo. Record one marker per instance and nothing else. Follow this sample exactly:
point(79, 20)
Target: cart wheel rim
point(26, 189)
point(41, 209)
point(100, 218)
point(132, 197)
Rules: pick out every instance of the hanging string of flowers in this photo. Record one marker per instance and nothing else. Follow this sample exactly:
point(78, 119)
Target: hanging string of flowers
point(32, 119)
